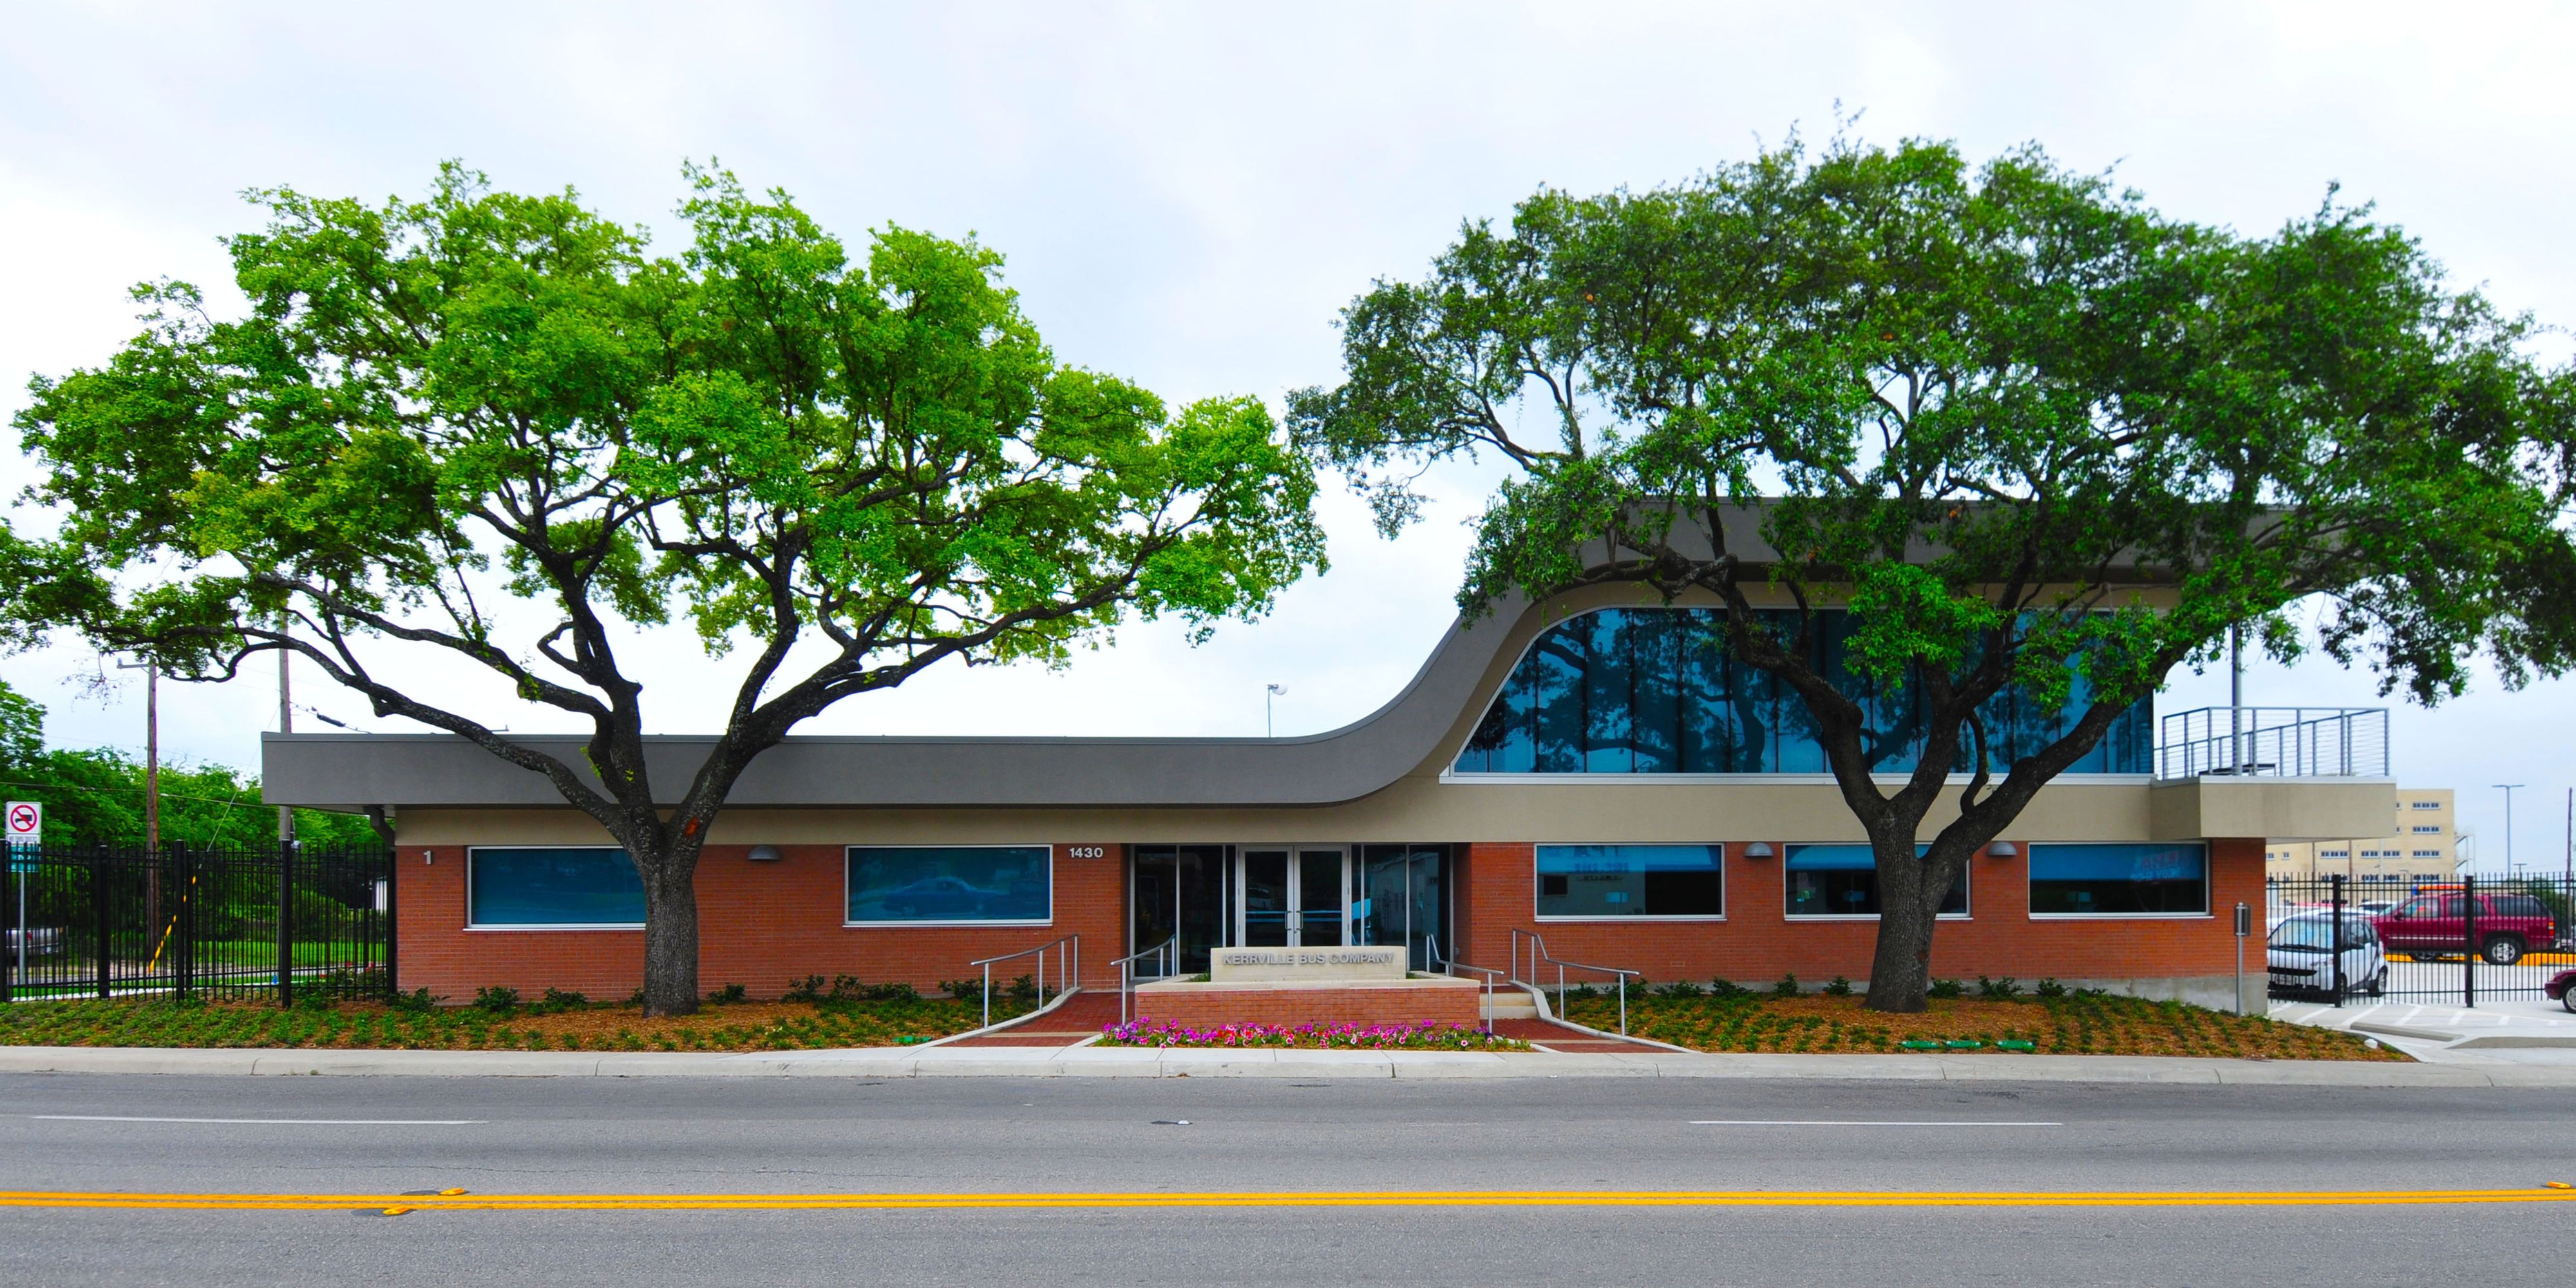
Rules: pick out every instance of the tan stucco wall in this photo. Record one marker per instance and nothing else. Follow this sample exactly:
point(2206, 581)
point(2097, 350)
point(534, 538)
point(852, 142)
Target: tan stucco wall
point(1426, 809)
point(2277, 808)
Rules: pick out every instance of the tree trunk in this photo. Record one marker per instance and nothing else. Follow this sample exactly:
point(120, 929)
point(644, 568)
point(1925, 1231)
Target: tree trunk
point(1909, 903)
point(670, 930)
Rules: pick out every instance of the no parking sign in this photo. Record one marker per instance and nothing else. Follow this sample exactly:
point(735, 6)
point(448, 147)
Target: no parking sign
point(25, 831)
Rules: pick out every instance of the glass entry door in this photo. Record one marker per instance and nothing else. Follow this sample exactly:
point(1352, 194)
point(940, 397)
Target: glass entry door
point(1177, 892)
point(1292, 896)
point(1404, 900)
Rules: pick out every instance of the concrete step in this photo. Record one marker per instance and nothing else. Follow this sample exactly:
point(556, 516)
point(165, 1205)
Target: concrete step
point(1511, 1006)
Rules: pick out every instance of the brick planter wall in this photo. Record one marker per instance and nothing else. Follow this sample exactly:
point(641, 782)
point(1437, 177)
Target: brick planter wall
point(1206, 1006)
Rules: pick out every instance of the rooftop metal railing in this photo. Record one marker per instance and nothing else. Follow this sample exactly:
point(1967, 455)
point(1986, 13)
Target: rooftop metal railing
point(2274, 742)
point(1538, 956)
point(1068, 968)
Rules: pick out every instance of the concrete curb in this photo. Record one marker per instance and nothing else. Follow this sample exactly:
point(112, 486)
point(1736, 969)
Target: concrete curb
point(1134, 1062)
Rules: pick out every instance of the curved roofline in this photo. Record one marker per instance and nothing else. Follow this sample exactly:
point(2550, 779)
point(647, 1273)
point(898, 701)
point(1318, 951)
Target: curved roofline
point(1406, 734)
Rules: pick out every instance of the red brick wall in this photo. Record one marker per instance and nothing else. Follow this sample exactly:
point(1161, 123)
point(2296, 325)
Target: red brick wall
point(1442, 1005)
point(1757, 942)
point(760, 925)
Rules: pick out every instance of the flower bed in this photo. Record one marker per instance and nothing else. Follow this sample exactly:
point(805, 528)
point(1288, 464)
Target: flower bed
point(556, 1026)
point(2071, 1024)
point(1362, 1037)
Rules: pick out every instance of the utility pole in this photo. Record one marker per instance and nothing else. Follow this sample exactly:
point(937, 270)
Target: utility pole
point(151, 668)
point(2236, 697)
point(285, 724)
point(2508, 825)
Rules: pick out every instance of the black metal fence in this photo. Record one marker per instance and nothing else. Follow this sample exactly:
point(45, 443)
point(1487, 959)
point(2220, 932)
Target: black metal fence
point(193, 921)
point(2452, 942)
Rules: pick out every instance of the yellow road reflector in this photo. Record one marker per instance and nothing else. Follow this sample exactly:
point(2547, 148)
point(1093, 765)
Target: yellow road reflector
point(450, 1193)
point(2559, 1185)
point(394, 1205)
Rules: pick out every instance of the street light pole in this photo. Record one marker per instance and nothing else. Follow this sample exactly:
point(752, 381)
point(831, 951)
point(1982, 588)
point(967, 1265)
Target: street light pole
point(2508, 826)
point(1269, 722)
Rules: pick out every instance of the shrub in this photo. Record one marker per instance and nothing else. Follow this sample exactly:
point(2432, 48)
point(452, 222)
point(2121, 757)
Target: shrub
point(635, 998)
point(964, 990)
point(1720, 986)
point(1678, 988)
point(1838, 987)
point(564, 999)
point(2050, 988)
point(416, 1002)
point(728, 994)
point(1947, 988)
point(496, 999)
point(2004, 989)
point(808, 989)
point(1787, 987)
point(1024, 990)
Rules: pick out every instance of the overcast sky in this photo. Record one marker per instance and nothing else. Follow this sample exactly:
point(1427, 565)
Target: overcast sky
point(1187, 194)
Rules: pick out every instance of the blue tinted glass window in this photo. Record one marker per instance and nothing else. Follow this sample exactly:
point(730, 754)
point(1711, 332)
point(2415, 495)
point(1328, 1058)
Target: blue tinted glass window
point(2118, 880)
point(1631, 881)
point(1842, 881)
point(936, 883)
point(552, 886)
point(1655, 691)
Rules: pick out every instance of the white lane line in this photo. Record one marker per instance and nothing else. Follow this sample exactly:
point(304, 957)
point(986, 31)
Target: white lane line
point(268, 1122)
point(1850, 1122)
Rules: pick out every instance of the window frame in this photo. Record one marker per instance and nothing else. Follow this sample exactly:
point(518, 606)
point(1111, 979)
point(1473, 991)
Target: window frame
point(504, 927)
point(1967, 888)
point(2208, 900)
point(849, 852)
point(1725, 885)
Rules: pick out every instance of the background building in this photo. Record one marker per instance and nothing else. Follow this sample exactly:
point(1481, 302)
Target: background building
point(2417, 849)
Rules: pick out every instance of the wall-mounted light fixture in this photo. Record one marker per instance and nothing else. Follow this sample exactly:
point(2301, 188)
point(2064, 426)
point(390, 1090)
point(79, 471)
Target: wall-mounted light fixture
point(1758, 850)
point(764, 854)
point(2002, 850)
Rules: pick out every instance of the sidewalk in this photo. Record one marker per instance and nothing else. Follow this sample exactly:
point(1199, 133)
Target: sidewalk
point(2528, 1031)
point(1140, 1062)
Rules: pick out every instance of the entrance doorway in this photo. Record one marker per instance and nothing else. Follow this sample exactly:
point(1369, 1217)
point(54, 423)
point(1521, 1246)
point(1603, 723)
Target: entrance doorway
point(1292, 896)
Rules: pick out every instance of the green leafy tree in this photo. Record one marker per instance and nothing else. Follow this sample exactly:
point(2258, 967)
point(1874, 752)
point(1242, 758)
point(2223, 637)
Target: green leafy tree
point(95, 796)
point(2023, 428)
point(845, 471)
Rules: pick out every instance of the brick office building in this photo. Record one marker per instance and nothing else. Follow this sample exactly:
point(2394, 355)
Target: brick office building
point(1588, 770)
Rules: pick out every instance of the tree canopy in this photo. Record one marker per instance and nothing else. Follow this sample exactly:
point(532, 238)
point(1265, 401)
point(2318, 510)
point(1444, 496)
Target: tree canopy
point(843, 469)
point(2024, 428)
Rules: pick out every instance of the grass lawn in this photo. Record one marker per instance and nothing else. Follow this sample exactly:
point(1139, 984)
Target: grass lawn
point(2083, 1024)
point(735, 1026)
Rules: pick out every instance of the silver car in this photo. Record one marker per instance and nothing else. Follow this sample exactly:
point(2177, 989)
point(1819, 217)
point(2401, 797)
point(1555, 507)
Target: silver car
point(2302, 955)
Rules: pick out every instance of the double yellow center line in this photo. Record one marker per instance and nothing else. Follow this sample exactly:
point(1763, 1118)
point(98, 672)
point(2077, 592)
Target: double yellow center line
point(395, 1204)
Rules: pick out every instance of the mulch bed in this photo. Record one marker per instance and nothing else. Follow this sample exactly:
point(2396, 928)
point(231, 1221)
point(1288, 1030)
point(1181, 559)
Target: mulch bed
point(2079, 1025)
point(736, 1026)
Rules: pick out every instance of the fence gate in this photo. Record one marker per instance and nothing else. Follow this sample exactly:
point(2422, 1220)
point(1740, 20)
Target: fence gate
point(2453, 942)
point(192, 921)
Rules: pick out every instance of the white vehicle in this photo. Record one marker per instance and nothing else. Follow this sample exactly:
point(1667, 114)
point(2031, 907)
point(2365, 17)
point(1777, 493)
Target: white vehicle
point(2302, 955)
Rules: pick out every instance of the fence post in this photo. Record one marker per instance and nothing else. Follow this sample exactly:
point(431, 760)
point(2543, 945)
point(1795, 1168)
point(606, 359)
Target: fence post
point(286, 923)
point(183, 878)
point(99, 865)
point(393, 923)
point(2334, 934)
point(2469, 941)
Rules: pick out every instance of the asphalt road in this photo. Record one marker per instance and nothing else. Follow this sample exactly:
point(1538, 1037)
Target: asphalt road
point(352, 1136)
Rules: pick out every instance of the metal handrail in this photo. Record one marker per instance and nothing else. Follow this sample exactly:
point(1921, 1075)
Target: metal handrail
point(1431, 954)
point(1169, 951)
point(1539, 954)
point(2274, 742)
point(1068, 968)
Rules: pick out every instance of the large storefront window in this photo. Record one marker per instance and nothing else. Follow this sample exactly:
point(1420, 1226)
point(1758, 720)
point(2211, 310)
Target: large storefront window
point(2119, 880)
point(1653, 691)
point(911, 885)
point(1631, 881)
point(1842, 881)
point(565, 886)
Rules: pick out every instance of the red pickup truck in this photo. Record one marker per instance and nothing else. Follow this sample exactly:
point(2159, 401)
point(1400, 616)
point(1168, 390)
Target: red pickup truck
point(2509, 925)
